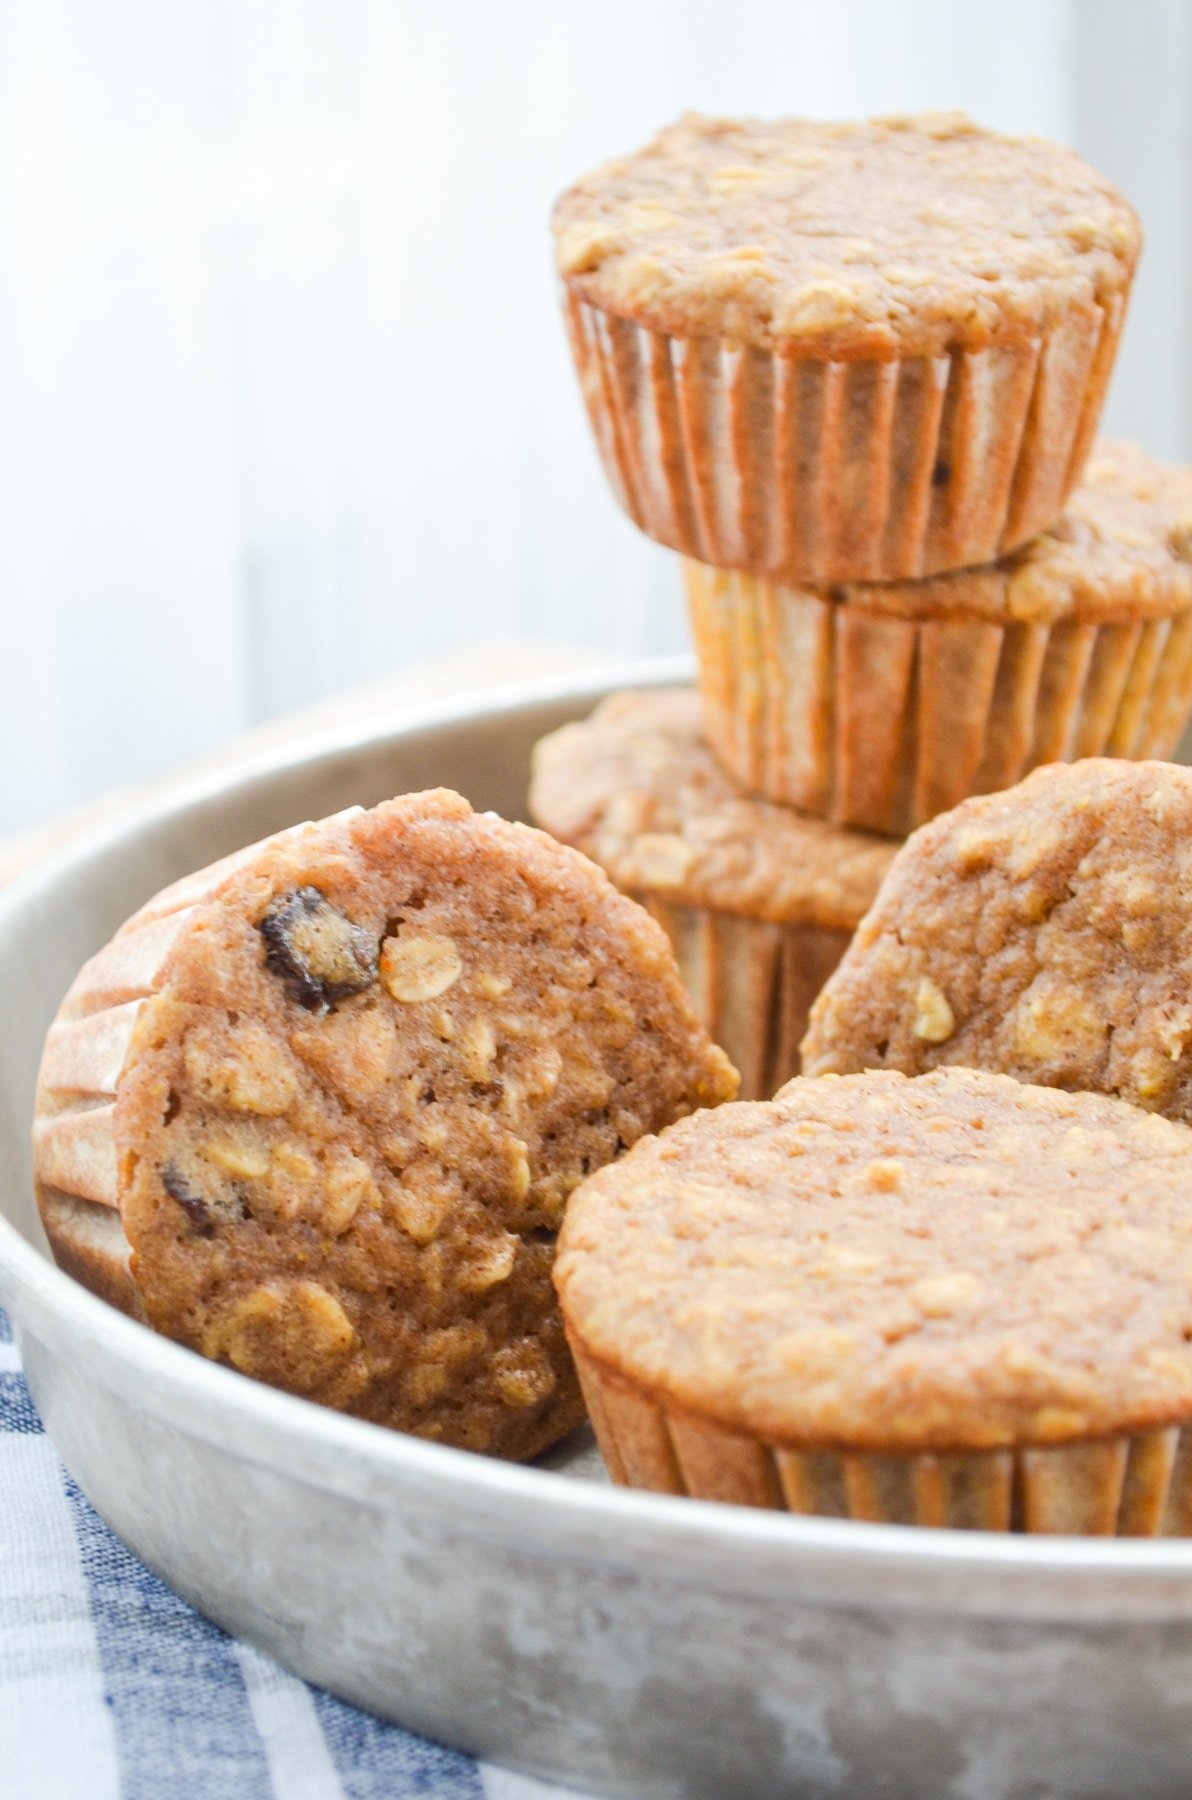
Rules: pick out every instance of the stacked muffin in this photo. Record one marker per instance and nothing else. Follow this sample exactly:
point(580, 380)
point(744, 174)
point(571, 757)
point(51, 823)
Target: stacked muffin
point(853, 374)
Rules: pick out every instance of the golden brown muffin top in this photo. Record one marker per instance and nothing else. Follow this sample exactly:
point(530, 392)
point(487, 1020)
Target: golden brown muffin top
point(1122, 550)
point(872, 1263)
point(1045, 931)
point(890, 237)
point(638, 790)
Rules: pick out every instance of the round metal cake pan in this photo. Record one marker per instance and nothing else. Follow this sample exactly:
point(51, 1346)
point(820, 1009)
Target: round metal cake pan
point(629, 1644)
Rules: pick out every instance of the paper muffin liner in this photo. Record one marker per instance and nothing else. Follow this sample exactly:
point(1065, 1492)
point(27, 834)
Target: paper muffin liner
point(752, 983)
point(75, 1157)
point(1132, 1485)
point(813, 471)
point(873, 719)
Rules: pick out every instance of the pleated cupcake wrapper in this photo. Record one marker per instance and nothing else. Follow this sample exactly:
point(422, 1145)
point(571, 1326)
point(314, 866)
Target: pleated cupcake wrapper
point(1136, 1485)
point(876, 720)
point(752, 983)
point(814, 471)
point(75, 1164)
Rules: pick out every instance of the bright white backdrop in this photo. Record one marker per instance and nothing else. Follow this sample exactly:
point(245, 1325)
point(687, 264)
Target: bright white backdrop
point(284, 398)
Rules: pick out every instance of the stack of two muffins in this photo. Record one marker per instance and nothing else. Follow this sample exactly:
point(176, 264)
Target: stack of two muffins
point(853, 374)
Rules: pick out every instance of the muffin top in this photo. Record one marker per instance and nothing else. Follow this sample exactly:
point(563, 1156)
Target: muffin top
point(892, 237)
point(637, 789)
point(1122, 550)
point(1045, 931)
point(957, 1262)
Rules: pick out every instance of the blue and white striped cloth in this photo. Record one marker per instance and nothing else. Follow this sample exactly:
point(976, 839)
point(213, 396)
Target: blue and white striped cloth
point(111, 1688)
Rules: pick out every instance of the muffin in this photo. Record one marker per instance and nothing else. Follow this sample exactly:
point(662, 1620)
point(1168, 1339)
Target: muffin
point(1045, 932)
point(316, 1111)
point(846, 352)
point(953, 1301)
point(883, 705)
point(759, 903)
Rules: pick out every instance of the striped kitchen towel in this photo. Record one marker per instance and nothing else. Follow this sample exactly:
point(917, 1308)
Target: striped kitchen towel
point(111, 1688)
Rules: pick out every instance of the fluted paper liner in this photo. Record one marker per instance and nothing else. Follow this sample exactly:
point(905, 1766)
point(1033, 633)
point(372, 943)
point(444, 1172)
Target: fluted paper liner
point(812, 471)
point(752, 983)
point(74, 1141)
point(878, 720)
point(1133, 1485)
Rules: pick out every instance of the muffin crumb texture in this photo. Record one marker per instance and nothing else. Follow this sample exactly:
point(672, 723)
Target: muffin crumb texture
point(1045, 932)
point(374, 1063)
point(902, 236)
point(878, 1265)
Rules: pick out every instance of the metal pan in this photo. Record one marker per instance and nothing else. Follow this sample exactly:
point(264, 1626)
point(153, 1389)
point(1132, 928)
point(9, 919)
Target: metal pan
point(624, 1642)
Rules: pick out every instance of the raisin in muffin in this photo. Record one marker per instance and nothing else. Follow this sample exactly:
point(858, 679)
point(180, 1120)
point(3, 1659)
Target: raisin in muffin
point(882, 704)
point(1045, 932)
point(844, 352)
point(759, 902)
point(955, 1301)
point(316, 1112)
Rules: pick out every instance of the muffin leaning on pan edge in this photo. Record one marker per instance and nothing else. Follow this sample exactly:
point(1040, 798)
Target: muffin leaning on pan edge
point(316, 1111)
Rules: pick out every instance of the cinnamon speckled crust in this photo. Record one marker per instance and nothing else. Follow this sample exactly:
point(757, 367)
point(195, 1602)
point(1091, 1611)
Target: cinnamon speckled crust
point(372, 1062)
point(881, 1265)
point(1045, 932)
point(897, 237)
point(636, 787)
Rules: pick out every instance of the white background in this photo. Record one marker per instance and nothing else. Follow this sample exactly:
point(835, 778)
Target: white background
point(284, 396)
